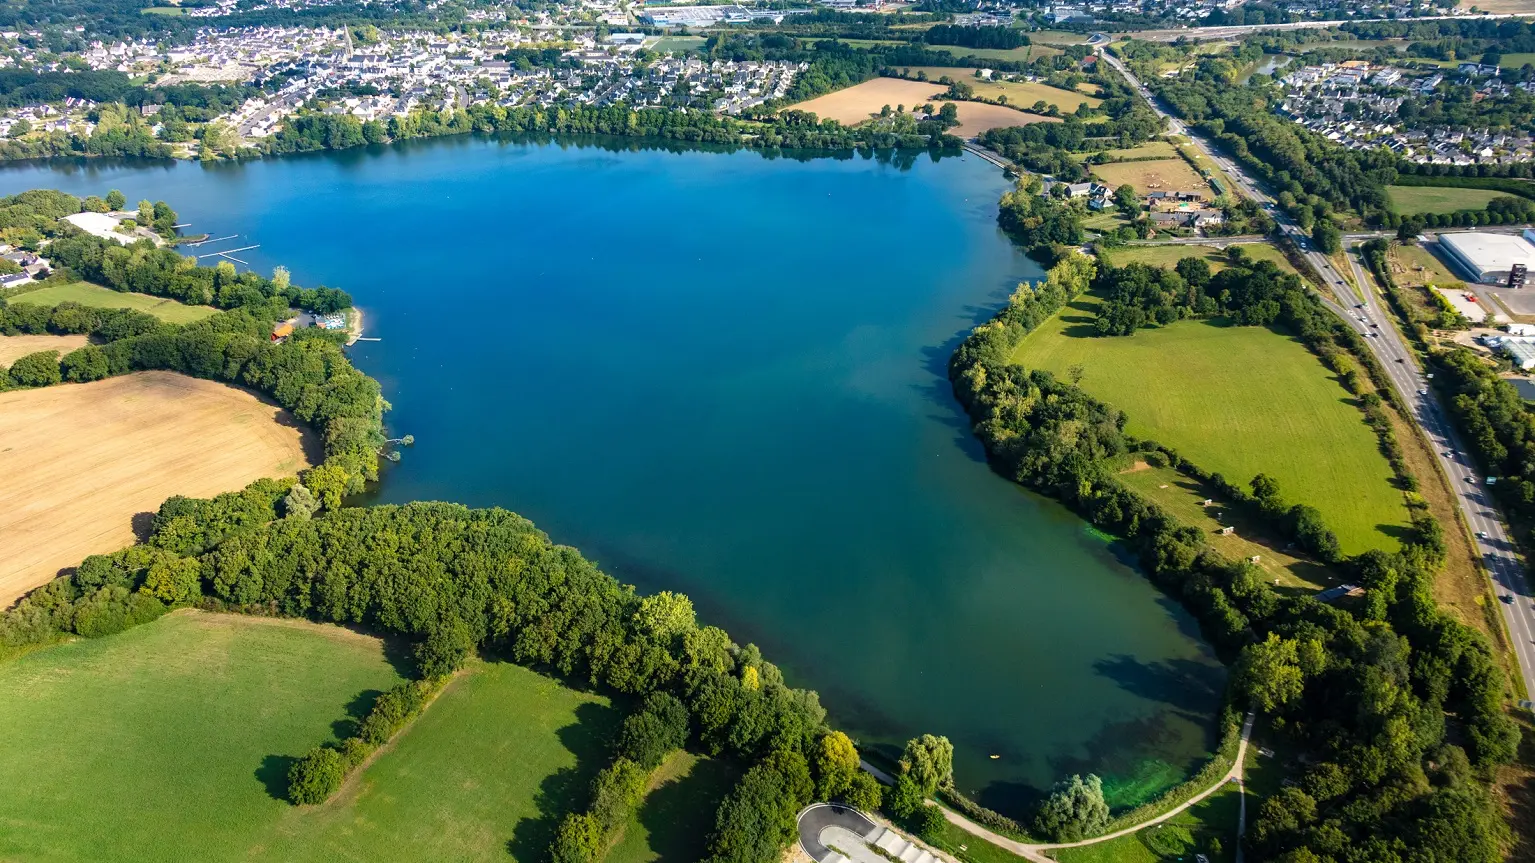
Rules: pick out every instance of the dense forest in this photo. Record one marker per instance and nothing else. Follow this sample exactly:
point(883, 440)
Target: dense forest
point(1399, 706)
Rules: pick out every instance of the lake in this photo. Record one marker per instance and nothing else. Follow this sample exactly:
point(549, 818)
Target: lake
point(723, 374)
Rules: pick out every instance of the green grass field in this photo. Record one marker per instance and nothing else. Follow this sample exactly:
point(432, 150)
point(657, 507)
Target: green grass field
point(172, 741)
point(678, 44)
point(1517, 61)
point(1057, 37)
point(1182, 497)
point(1193, 831)
point(1409, 200)
point(1169, 255)
point(172, 11)
point(1148, 150)
point(673, 823)
point(1239, 401)
point(87, 294)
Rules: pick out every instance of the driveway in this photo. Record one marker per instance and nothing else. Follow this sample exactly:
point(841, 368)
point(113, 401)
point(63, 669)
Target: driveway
point(817, 819)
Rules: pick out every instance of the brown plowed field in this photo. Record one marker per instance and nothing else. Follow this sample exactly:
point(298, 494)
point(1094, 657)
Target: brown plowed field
point(78, 462)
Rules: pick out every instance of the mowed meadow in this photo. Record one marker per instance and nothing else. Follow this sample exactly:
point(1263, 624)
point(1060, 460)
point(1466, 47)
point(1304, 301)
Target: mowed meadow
point(81, 461)
point(1239, 401)
point(172, 741)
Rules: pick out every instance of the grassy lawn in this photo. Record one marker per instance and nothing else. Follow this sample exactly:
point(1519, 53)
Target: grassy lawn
point(1196, 830)
point(1057, 37)
point(87, 294)
point(1239, 401)
point(1517, 61)
point(491, 766)
point(1415, 265)
point(1021, 54)
point(678, 44)
point(1170, 254)
point(1439, 199)
point(163, 10)
point(121, 747)
point(172, 741)
point(1104, 220)
point(1148, 150)
point(1182, 497)
point(673, 823)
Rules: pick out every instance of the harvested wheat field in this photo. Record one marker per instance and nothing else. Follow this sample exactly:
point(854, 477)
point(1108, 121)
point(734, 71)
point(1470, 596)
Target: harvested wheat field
point(1168, 175)
point(79, 461)
point(858, 103)
point(977, 117)
point(13, 348)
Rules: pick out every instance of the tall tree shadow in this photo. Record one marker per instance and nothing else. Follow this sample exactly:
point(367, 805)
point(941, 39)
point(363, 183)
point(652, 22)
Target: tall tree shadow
point(273, 775)
point(566, 790)
point(679, 814)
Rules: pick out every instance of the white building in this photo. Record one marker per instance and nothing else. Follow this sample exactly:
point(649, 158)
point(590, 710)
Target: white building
point(1488, 257)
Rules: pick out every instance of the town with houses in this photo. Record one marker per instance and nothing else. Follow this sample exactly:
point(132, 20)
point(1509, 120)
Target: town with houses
point(1357, 105)
point(415, 69)
point(292, 69)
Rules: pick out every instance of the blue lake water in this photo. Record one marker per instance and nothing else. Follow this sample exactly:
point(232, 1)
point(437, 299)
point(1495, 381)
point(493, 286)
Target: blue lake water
point(724, 375)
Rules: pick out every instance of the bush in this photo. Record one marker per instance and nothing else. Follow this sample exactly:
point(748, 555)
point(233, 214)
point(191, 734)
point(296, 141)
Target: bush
point(660, 727)
point(928, 822)
point(1074, 810)
point(445, 649)
point(113, 609)
point(36, 370)
point(316, 776)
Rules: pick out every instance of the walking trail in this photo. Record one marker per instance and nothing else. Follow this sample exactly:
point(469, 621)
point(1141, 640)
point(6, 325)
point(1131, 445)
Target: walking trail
point(1035, 852)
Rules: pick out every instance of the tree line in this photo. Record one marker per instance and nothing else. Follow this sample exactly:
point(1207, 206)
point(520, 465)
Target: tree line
point(455, 580)
point(1398, 706)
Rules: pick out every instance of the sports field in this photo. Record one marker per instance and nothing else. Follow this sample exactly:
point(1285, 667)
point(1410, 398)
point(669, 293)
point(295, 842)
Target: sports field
point(674, 821)
point(13, 348)
point(1409, 200)
point(1169, 255)
point(1152, 176)
point(1019, 94)
point(87, 294)
point(80, 461)
point(171, 742)
point(1239, 401)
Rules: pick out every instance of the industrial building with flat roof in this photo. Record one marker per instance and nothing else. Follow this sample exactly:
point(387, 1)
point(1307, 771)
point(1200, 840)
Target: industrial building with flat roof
point(1488, 257)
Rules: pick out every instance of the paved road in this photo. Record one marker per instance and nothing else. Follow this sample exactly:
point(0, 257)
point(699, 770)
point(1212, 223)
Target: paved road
point(828, 816)
point(1035, 851)
point(1498, 556)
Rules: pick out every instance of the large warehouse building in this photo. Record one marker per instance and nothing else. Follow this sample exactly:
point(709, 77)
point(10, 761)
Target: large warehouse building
point(1488, 257)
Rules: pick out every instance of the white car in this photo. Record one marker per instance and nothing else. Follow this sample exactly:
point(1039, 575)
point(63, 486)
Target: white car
point(1422, 392)
point(1481, 534)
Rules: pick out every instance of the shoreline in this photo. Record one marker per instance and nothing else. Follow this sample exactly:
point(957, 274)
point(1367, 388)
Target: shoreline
point(353, 325)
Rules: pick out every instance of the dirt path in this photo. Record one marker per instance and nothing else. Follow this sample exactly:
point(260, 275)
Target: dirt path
point(1035, 852)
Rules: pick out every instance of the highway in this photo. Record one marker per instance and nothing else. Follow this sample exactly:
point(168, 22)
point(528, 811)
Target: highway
point(1500, 560)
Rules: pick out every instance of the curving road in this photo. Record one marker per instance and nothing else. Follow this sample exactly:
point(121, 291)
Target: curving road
point(1499, 558)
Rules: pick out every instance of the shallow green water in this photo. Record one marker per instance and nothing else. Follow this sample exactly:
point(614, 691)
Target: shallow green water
point(724, 374)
